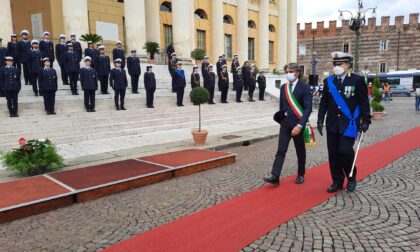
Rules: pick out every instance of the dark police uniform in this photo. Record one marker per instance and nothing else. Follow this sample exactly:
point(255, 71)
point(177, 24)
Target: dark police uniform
point(12, 51)
point(77, 48)
point(195, 80)
point(252, 82)
point(180, 84)
point(219, 65)
point(24, 50)
point(10, 85)
point(72, 66)
point(209, 84)
point(238, 81)
point(245, 75)
point(261, 86)
point(60, 53)
point(103, 68)
point(172, 68)
point(3, 54)
point(48, 84)
point(204, 67)
point(224, 86)
point(93, 53)
point(89, 83)
point(118, 81)
point(119, 53)
point(47, 50)
point(150, 87)
point(235, 64)
point(35, 63)
point(134, 70)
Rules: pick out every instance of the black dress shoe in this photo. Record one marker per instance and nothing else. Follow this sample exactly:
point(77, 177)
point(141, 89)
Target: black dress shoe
point(351, 184)
point(36, 94)
point(117, 107)
point(49, 113)
point(123, 108)
point(16, 115)
point(53, 113)
point(300, 179)
point(88, 110)
point(334, 188)
point(92, 110)
point(12, 115)
point(272, 180)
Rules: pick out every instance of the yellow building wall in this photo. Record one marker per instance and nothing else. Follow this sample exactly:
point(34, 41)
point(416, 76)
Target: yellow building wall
point(165, 19)
point(253, 33)
point(57, 27)
point(273, 20)
point(204, 24)
point(231, 29)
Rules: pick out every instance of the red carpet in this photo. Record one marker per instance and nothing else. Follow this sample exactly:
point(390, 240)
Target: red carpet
point(232, 225)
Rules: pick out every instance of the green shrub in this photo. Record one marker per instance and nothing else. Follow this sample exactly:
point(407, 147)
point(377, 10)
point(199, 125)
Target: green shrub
point(95, 38)
point(152, 48)
point(198, 54)
point(199, 95)
point(33, 157)
point(376, 107)
point(376, 94)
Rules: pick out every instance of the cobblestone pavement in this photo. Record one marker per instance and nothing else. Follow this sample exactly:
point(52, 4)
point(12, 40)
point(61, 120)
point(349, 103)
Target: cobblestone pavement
point(383, 214)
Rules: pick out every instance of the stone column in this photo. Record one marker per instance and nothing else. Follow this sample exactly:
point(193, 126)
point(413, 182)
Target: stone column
point(135, 26)
point(217, 29)
point(292, 30)
point(75, 17)
point(181, 28)
point(282, 36)
point(6, 21)
point(242, 30)
point(152, 21)
point(264, 35)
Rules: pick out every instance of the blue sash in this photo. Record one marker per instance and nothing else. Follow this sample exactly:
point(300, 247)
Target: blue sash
point(180, 73)
point(351, 130)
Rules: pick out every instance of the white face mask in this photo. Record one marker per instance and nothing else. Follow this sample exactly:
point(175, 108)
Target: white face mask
point(290, 77)
point(338, 70)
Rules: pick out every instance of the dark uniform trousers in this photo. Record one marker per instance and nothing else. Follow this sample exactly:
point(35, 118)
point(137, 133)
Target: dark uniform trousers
point(103, 79)
point(89, 98)
point(224, 93)
point(239, 93)
point(211, 92)
point(33, 79)
point(74, 77)
point(64, 76)
point(135, 82)
point(49, 100)
point(119, 95)
point(179, 95)
point(26, 76)
point(12, 101)
point(262, 93)
point(150, 94)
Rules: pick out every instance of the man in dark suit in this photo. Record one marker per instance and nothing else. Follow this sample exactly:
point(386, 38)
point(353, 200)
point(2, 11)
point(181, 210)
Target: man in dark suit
point(149, 86)
point(344, 120)
point(72, 66)
point(261, 85)
point(103, 69)
point(89, 84)
point(134, 70)
point(23, 51)
point(93, 53)
point(180, 84)
point(292, 122)
point(235, 64)
point(209, 82)
point(172, 68)
point(77, 46)
point(10, 85)
point(60, 53)
point(245, 74)
point(238, 81)
point(47, 48)
point(35, 64)
point(224, 84)
point(12, 49)
point(118, 82)
point(204, 65)
point(119, 53)
point(3, 54)
point(219, 65)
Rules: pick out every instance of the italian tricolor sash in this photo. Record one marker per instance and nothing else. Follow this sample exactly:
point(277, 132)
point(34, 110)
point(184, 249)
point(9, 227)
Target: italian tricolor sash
point(308, 133)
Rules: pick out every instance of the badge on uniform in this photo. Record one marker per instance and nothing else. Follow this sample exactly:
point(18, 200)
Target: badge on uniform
point(348, 91)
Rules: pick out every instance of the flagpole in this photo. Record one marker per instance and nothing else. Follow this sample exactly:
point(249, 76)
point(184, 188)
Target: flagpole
point(355, 155)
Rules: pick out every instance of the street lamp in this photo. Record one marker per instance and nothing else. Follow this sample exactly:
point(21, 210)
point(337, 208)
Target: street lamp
point(357, 21)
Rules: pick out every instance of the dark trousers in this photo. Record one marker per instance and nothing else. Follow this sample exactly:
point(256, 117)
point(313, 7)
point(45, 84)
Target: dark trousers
point(224, 94)
point(340, 156)
point(150, 95)
point(26, 72)
point(49, 100)
point(246, 85)
point(251, 90)
point(135, 83)
point(239, 93)
point(179, 96)
point(173, 82)
point(74, 77)
point(284, 139)
point(89, 97)
point(119, 95)
point(34, 82)
point(234, 87)
point(64, 76)
point(211, 92)
point(12, 101)
point(1, 92)
point(103, 79)
point(262, 93)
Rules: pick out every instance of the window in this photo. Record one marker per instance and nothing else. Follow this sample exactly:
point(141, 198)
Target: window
point(270, 51)
point(251, 44)
point(227, 19)
point(383, 45)
point(166, 7)
point(167, 29)
point(271, 28)
point(251, 24)
point(346, 47)
point(382, 68)
point(228, 45)
point(201, 39)
point(200, 14)
point(302, 50)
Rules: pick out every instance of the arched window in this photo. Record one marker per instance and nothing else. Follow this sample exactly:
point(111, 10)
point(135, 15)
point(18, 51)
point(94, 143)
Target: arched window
point(227, 19)
point(251, 24)
point(200, 13)
point(271, 28)
point(166, 7)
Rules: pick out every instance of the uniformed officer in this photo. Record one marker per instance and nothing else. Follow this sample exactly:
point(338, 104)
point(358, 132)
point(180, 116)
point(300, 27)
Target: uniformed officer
point(24, 49)
point(252, 82)
point(134, 70)
point(261, 85)
point(235, 64)
point(60, 54)
point(77, 46)
point(195, 78)
point(47, 48)
point(35, 63)
point(10, 85)
point(204, 65)
point(224, 84)
point(119, 53)
point(149, 86)
point(219, 65)
point(238, 81)
point(72, 66)
point(3, 54)
point(12, 49)
point(209, 82)
point(245, 74)
point(180, 84)
point(93, 53)
point(169, 50)
point(89, 83)
point(345, 102)
point(48, 84)
point(172, 68)
point(103, 68)
point(118, 82)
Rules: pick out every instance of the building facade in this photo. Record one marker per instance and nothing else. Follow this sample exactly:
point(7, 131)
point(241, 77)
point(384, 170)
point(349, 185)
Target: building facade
point(384, 48)
point(263, 31)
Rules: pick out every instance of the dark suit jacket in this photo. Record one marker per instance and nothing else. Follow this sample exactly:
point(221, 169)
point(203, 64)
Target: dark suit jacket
point(149, 81)
point(336, 121)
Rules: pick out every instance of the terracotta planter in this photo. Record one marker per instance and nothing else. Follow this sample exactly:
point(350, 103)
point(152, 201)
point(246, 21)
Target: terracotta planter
point(378, 115)
point(199, 136)
point(151, 61)
point(198, 62)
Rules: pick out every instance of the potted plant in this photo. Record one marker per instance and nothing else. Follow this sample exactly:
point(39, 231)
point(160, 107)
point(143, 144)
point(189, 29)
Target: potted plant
point(95, 38)
point(199, 96)
point(375, 104)
point(152, 48)
point(198, 54)
point(33, 157)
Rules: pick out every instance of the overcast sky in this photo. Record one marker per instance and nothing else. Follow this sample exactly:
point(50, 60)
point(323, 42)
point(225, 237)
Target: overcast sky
point(326, 10)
